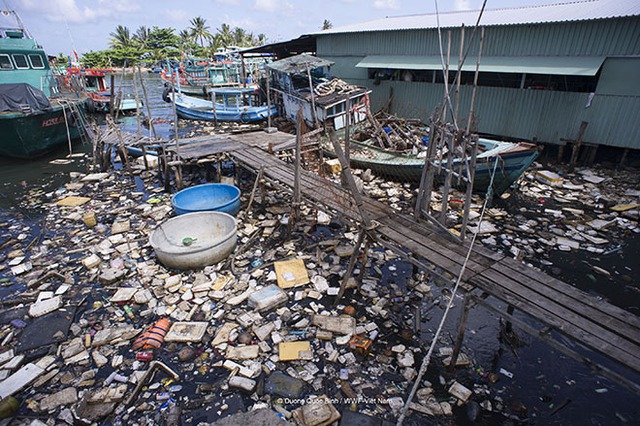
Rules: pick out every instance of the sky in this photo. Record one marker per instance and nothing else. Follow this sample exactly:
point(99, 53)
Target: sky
point(62, 26)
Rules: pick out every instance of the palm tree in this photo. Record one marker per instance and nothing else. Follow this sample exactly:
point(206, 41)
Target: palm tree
point(120, 38)
point(142, 36)
point(239, 36)
point(326, 25)
point(200, 30)
point(261, 40)
point(224, 35)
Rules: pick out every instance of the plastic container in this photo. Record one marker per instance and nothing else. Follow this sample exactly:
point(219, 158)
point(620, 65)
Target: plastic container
point(89, 219)
point(267, 298)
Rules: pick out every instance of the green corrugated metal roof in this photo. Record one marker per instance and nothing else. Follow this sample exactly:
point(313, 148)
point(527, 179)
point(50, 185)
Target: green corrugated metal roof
point(561, 65)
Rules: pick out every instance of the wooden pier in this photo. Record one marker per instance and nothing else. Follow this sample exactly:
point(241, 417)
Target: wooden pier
point(594, 323)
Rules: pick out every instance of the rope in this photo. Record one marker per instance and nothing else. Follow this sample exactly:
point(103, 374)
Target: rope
point(427, 358)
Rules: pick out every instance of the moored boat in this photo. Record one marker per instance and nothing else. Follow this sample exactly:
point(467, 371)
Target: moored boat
point(99, 92)
point(239, 104)
point(512, 158)
point(37, 114)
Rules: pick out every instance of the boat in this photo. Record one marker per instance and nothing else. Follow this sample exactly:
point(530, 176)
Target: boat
point(219, 197)
point(242, 105)
point(513, 159)
point(194, 240)
point(198, 77)
point(37, 113)
point(99, 92)
point(303, 83)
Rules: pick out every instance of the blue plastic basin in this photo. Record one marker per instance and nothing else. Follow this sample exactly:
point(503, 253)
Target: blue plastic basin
point(219, 197)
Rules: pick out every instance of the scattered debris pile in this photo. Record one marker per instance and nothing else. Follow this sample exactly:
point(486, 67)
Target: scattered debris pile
point(94, 329)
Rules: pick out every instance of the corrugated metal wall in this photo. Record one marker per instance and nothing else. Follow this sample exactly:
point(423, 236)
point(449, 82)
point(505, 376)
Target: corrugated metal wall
point(548, 116)
point(619, 36)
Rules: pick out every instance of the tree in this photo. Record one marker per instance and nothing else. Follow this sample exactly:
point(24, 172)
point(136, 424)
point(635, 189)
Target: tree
point(120, 38)
point(200, 30)
point(224, 35)
point(326, 25)
point(141, 37)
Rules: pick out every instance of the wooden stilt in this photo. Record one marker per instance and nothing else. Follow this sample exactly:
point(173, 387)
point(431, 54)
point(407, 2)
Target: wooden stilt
point(352, 264)
point(253, 191)
point(577, 145)
point(509, 325)
point(623, 159)
point(462, 325)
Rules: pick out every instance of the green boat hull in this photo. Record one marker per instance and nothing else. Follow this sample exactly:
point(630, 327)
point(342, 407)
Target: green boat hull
point(29, 136)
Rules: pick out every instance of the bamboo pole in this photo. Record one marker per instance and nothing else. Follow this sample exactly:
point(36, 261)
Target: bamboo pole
point(459, 75)
point(475, 81)
point(146, 101)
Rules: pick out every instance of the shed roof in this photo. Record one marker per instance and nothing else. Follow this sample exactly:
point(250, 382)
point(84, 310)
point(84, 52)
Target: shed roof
point(578, 10)
point(565, 65)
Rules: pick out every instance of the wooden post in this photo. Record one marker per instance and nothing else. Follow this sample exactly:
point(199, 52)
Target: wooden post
point(471, 174)
point(146, 102)
point(347, 136)
point(475, 81)
point(444, 206)
point(352, 264)
point(112, 94)
point(314, 114)
point(268, 96)
point(577, 144)
point(253, 191)
point(462, 325)
point(295, 208)
point(459, 75)
point(623, 159)
point(213, 105)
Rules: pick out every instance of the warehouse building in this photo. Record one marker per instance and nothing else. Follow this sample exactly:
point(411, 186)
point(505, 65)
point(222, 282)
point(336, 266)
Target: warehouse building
point(553, 74)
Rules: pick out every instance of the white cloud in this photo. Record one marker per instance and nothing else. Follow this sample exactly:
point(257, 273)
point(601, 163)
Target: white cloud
point(71, 12)
point(229, 2)
point(461, 5)
point(271, 6)
point(386, 4)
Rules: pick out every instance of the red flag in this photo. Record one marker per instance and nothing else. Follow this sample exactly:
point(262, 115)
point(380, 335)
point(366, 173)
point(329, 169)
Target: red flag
point(76, 55)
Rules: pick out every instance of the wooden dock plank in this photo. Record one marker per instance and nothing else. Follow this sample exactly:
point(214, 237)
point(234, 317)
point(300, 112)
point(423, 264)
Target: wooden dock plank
point(593, 307)
point(560, 317)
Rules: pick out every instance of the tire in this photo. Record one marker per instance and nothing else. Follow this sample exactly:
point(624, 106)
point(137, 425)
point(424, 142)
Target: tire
point(244, 117)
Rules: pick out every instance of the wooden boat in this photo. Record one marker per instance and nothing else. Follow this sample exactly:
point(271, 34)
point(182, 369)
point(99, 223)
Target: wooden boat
point(198, 77)
point(194, 240)
point(99, 92)
point(232, 104)
point(36, 114)
point(207, 197)
point(513, 159)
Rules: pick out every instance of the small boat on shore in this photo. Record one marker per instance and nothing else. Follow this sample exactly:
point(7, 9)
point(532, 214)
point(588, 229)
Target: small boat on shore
point(37, 114)
point(513, 159)
point(234, 104)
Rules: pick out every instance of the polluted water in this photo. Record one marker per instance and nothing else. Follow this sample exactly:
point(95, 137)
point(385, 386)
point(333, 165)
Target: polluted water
point(94, 329)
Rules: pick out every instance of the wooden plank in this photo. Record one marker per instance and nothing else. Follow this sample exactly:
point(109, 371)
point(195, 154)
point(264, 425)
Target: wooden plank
point(556, 315)
point(433, 256)
point(510, 266)
point(433, 243)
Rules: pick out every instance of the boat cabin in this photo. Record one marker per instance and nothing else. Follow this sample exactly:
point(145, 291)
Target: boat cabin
point(303, 82)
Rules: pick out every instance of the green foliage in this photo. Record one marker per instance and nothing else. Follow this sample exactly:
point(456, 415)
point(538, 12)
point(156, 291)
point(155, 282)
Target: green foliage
point(155, 43)
point(326, 25)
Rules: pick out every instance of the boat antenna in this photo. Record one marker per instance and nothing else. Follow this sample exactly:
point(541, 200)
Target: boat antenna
point(10, 10)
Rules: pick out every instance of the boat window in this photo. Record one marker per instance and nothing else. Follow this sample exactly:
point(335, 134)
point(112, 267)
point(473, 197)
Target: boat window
point(36, 62)
point(5, 62)
point(21, 61)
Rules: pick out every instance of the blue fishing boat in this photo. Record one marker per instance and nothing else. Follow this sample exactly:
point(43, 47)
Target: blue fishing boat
point(38, 111)
point(236, 104)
